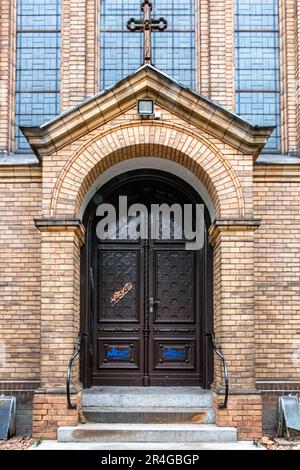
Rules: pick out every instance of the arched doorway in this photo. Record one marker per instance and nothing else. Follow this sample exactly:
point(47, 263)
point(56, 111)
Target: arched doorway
point(146, 303)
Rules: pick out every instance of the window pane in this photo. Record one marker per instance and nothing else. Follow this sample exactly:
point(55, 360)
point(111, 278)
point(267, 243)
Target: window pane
point(34, 109)
point(38, 14)
point(257, 65)
point(38, 64)
point(256, 14)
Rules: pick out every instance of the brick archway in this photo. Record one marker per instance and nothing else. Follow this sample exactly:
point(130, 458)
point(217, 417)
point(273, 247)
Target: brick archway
point(154, 139)
point(231, 235)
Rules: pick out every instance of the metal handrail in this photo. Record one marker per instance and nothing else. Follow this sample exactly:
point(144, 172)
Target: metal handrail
point(69, 370)
point(219, 353)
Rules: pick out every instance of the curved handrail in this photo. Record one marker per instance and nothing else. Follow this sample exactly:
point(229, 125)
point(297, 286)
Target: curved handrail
point(69, 370)
point(219, 353)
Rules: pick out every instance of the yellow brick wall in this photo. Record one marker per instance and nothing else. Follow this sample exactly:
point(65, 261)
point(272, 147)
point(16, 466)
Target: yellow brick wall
point(277, 273)
point(20, 202)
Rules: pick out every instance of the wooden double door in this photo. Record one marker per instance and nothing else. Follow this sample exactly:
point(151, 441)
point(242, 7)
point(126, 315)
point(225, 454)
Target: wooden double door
point(147, 309)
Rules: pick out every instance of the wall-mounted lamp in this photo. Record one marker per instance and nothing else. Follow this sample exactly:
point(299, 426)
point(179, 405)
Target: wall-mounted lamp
point(145, 108)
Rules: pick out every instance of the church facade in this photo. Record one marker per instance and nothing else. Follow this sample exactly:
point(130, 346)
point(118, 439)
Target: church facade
point(224, 132)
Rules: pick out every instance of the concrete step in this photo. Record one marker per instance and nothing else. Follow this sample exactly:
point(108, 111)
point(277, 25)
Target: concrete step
point(149, 415)
point(160, 397)
point(128, 432)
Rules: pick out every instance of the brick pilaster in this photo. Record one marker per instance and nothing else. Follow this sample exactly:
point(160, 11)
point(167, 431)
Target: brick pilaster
point(61, 242)
point(288, 63)
point(59, 298)
point(202, 47)
point(234, 326)
point(7, 73)
point(215, 51)
point(297, 16)
point(92, 47)
point(80, 51)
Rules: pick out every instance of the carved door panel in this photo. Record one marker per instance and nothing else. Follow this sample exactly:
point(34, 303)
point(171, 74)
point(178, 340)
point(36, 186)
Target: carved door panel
point(118, 332)
point(174, 320)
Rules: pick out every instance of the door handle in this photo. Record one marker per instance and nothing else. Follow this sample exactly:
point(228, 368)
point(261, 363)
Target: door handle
point(152, 303)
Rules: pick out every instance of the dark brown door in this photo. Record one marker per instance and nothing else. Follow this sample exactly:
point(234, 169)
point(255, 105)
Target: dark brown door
point(119, 326)
point(174, 315)
point(148, 308)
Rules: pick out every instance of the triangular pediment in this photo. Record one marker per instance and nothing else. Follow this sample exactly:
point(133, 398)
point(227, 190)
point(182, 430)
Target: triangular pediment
point(147, 82)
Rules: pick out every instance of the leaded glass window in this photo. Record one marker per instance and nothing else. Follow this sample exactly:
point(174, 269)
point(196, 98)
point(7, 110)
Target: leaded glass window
point(173, 50)
point(257, 65)
point(38, 64)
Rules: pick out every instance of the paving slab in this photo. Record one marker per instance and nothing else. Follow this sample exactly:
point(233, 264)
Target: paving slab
point(54, 445)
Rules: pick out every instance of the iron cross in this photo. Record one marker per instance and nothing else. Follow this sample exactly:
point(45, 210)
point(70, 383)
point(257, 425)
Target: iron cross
point(147, 25)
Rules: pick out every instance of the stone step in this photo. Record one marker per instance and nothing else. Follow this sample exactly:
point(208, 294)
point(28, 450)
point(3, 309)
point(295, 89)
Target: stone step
point(160, 397)
point(149, 415)
point(128, 432)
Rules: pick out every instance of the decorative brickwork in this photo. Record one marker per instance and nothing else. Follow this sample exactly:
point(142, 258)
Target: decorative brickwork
point(164, 141)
